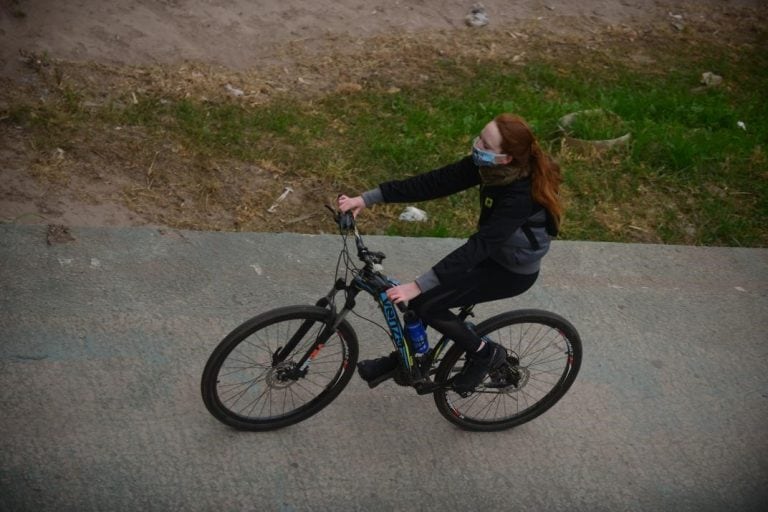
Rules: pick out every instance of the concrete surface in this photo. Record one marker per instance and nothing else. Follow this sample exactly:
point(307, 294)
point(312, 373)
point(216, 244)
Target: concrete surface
point(104, 339)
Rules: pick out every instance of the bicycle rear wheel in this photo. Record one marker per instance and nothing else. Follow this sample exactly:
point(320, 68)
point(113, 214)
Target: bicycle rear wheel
point(544, 356)
point(245, 388)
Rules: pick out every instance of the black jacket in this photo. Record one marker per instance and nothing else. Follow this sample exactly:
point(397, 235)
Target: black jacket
point(511, 227)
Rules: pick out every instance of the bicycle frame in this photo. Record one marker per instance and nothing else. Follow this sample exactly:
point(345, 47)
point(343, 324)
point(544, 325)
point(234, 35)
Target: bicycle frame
point(369, 279)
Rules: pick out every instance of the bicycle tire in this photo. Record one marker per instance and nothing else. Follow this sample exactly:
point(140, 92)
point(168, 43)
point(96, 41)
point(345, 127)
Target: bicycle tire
point(549, 351)
point(240, 381)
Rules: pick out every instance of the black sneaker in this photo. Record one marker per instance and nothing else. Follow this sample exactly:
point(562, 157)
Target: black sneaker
point(376, 371)
point(476, 368)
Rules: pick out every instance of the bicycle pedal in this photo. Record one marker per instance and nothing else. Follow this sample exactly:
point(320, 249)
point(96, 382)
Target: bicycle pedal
point(426, 387)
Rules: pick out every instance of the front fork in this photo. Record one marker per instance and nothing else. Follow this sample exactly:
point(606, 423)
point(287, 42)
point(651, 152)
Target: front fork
point(333, 321)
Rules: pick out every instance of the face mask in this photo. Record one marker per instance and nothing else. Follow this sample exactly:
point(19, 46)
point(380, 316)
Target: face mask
point(482, 157)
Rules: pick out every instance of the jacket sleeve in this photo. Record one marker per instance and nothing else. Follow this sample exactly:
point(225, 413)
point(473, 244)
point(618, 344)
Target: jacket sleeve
point(508, 216)
point(441, 182)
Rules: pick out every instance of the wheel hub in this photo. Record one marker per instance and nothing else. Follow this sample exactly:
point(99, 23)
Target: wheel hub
point(511, 377)
point(281, 376)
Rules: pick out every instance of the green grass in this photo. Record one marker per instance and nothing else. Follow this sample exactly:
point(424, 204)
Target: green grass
point(596, 125)
point(690, 174)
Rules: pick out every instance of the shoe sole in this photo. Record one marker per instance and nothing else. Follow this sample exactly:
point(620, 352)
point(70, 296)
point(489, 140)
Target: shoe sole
point(375, 381)
point(381, 378)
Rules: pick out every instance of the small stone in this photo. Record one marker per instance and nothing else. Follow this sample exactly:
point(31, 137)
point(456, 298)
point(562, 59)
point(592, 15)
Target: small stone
point(477, 17)
point(58, 234)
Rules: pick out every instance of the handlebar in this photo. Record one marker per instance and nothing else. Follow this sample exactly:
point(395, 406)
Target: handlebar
point(372, 259)
point(346, 223)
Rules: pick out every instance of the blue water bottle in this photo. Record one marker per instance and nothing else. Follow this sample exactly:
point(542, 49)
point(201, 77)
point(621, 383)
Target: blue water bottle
point(416, 332)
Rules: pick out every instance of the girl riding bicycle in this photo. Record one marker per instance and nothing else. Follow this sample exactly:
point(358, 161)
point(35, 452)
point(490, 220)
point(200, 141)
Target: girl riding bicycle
point(520, 211)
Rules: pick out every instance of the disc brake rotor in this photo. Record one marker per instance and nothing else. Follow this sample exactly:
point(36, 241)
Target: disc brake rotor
point(511, 377)
point(279, 377)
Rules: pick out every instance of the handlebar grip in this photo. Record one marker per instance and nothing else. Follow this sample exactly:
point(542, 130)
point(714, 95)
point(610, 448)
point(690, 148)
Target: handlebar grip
point(347, 220)
point(402, 307)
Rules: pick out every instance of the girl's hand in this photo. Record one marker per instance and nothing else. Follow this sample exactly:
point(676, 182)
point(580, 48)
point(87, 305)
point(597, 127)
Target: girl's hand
point(355, 204)
point(404, 292)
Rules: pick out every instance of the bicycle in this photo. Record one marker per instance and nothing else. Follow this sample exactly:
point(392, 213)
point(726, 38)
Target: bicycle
point(287, 364)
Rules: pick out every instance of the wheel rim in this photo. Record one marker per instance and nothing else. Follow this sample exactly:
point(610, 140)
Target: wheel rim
point(539, 360)
point(251, 388)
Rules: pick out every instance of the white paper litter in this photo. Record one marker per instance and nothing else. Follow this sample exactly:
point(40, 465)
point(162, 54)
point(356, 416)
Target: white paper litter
point(413, 214)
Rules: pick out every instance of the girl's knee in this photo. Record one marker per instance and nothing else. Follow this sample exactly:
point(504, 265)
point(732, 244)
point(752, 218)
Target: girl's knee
point(418, 307)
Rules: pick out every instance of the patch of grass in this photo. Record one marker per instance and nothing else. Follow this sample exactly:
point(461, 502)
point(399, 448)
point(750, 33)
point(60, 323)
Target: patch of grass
point(686, 142)
point(596, 124)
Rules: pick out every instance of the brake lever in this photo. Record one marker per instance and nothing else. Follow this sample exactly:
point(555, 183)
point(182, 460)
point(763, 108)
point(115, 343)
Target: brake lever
point(334, 212)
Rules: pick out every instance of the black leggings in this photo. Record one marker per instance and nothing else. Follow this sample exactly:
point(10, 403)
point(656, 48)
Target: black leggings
point(484, 283)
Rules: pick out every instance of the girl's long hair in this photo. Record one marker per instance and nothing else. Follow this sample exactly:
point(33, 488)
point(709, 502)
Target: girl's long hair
point(518, 140)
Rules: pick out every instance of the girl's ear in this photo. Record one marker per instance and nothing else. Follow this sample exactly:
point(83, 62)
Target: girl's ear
point(506, 159)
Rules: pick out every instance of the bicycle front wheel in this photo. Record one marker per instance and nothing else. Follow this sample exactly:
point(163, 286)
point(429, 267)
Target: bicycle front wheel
point(543, 358)
point(245, 387)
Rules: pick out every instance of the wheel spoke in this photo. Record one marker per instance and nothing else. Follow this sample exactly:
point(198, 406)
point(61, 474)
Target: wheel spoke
point(245, 387)
point(545, 354)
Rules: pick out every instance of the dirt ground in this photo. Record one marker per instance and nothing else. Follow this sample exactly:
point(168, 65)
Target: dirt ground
point(255, 39)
